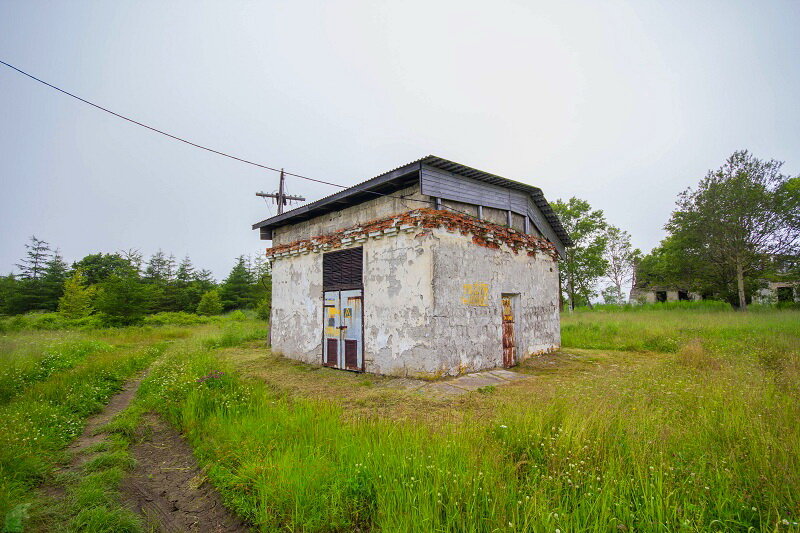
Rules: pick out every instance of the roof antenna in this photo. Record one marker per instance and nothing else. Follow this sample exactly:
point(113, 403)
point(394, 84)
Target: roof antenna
point(281, 198)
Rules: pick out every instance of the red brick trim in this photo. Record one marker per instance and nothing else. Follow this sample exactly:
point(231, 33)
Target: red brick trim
point(486, 234)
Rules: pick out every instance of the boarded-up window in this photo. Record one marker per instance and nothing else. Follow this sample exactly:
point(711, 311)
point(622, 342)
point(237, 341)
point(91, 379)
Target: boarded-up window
point(343, 269)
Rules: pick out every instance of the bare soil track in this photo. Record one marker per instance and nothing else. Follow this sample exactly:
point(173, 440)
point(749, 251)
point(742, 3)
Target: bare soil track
point(168, 487)
point(91, 436)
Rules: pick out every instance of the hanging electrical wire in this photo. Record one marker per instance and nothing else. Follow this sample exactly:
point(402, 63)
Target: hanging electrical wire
point(212, 150)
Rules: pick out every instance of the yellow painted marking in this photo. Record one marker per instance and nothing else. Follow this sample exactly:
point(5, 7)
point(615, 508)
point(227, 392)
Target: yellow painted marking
point(476, 294)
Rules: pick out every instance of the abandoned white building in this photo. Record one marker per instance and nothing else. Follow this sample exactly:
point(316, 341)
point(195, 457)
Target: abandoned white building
point(780, 284)
point(651, 294)
point(431, 269)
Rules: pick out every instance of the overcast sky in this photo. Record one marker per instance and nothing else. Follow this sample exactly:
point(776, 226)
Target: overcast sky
point(624, 104)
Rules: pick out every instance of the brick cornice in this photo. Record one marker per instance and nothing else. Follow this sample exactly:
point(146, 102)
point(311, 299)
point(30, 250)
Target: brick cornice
point(420, 221)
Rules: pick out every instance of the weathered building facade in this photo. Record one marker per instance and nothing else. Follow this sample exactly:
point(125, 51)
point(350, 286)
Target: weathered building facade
point(654, 294)
point(431, 269)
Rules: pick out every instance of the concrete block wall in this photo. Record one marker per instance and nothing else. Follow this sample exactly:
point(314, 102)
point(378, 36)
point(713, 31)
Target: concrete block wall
point(419, 318)
point(469, 330)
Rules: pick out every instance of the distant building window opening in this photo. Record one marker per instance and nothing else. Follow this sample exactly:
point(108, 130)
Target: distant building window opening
point(683, 296)
point(785, 294)
point(661, 296)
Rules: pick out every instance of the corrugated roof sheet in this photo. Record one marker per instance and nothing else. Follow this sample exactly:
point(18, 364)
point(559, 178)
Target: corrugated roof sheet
point(362, 191)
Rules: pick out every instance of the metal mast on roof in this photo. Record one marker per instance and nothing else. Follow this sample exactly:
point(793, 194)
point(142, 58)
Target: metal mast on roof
point(281, 198)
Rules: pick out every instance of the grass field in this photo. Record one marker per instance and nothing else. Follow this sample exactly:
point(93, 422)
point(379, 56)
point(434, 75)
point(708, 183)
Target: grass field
point(683, 420)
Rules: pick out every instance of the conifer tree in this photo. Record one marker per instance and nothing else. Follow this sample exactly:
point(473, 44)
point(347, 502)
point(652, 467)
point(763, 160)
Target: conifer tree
point(157, 269)
point(77, 299)
point(29, 295)
point(185, 272)
point(52, 282)
point(122, 300)
point(36, 256)
point(8, 289)
point(236, 291)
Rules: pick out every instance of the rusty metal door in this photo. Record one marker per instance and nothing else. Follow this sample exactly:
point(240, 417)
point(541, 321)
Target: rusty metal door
point(343, 314)
point(509, 343)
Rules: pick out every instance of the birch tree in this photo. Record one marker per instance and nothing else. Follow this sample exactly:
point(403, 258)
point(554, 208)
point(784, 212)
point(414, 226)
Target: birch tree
point(621, 259)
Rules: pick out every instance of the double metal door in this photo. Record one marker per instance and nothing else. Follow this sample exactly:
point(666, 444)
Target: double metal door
point(343, 345)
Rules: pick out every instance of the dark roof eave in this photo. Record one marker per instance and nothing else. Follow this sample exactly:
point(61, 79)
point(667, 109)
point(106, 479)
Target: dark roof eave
point(355, 192)
point(364, 187)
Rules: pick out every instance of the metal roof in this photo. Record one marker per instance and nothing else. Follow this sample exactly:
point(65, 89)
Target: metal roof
point(402, 177)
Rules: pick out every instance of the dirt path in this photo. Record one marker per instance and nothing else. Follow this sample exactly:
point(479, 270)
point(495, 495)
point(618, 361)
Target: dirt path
point(168, 487)
point(90, 436)
point(118, 403)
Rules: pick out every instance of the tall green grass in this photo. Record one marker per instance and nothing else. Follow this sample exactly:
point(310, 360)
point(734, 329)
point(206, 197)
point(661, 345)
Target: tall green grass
point(40, 421)
point(731, 333)
point(700, 441)
point(20, 370)
point(698, 305)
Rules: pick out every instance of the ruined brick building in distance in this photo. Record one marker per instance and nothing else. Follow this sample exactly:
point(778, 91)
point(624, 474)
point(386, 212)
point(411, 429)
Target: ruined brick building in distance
point(431, 269)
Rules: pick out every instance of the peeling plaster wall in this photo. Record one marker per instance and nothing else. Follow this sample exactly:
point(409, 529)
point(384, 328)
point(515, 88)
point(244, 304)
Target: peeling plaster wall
point(381, 206)
point(398, 296)
point(296, 318)
point(470, 334)
point(416, 319)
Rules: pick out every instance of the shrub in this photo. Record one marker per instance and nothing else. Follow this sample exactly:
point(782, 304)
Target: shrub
point(175, 319)
point(77, 299)
point(122, 301)
point(263, 309)
point(210, 304)
point(48, 321)
point(237, 316)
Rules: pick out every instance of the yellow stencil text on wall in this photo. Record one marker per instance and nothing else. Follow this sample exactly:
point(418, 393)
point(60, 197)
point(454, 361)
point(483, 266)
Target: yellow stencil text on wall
point(476, 294)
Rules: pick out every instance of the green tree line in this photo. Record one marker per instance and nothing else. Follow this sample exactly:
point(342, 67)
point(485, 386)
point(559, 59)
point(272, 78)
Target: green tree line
point(737, 229)
point(123, 287)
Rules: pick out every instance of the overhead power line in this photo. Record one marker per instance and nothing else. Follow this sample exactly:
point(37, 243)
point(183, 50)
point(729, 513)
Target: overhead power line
point(206, 148)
